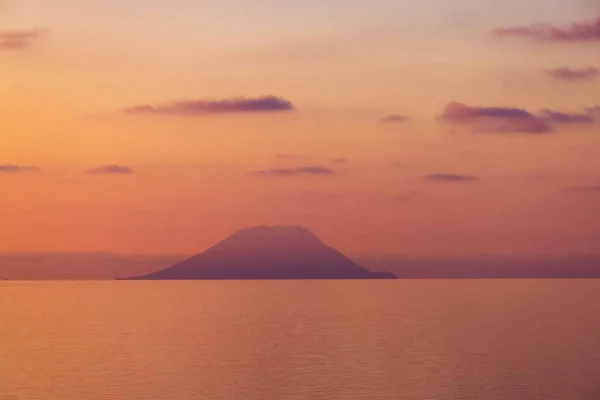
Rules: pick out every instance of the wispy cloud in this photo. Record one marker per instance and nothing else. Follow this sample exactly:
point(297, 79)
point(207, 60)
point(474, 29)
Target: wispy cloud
point(265, 104)
point(582, 31)
point(566, 118)
point(308, 170)
point(16, 169)
point(394, 119)
point(456, 111)
point(573, 74)
point(593, 111)
point(402, 199)
point(592, 189)
point(449, 177)
point(111, 169)
point(319, 196)
point(339, 160)
point(20, 39)
point(400, 164)
point(287, 156)
point(411, 197)
point(495, 119)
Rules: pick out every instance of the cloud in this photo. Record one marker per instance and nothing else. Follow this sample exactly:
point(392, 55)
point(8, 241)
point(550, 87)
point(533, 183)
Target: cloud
point(495, 119)
point(287, 156)
point(308, 170)
point(340, 160)
point(111, 169)
point(593, 189)
point(456, 111)
point(394, 119)
point(16, 169)
point(412, 196)
point(594, 111)
point(445, 177)
point(573, 74)
point(402, 199)
point(582, 31)
point(319, 196)
point(400, 164)
point(566, 118)
point(225, 106)
point(20, 39)
point(528, 125)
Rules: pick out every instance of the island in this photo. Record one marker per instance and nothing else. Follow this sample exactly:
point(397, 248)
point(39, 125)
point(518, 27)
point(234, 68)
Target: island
point(267, 253)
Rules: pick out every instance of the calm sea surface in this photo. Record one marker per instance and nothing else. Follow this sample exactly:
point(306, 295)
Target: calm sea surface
point(496, 340)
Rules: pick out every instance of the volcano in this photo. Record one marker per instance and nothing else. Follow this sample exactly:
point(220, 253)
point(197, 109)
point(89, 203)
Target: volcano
point(268, 252)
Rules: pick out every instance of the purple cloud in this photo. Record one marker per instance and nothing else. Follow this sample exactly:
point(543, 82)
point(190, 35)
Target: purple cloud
point(566, 118)
point(528, 126)
point(445, 177)
point(21, 39)
point(111, 169)
point(394, 119)
point(308, 170)
point(573, 74)
point(583, 31)
point(16, 169)
point(263, 104)
point(456, 111)
point(495, 119)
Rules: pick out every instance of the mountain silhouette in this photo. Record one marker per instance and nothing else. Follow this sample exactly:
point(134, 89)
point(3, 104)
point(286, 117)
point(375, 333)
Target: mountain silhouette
point(268, 252)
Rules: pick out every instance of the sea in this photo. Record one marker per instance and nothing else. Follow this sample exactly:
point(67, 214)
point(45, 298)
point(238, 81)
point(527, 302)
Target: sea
point(288, 340)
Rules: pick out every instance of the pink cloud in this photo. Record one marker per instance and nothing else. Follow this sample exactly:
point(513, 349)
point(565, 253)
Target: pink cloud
point(308, 170)
point(573, 74)
point(447, 177)
point(20, 39)
point(287, 156)
point(402, 199)
point(594, 112)
point(583, 31)
point(394, 119)
point(592, 189)
point(111, 169)
point(339, 160)
point(16, 169)
point(262, 104)
point(495, 119)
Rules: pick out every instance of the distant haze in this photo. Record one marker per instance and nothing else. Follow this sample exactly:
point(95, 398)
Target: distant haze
point(80, 265)
point(40, 266)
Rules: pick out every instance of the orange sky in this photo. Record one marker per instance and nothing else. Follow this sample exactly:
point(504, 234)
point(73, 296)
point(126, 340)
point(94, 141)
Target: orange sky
point(343, 66)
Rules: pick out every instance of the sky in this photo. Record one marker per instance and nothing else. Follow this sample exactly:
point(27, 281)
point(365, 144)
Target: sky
point(420, 128)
